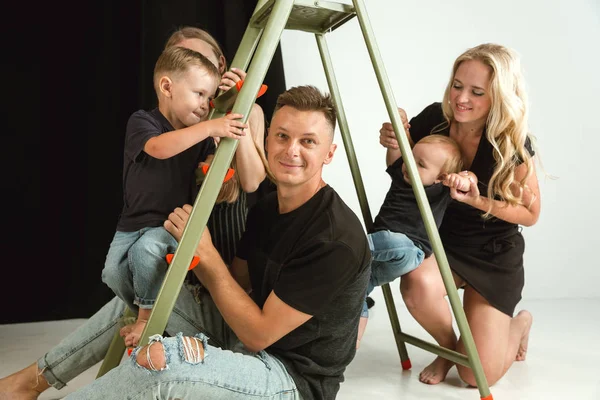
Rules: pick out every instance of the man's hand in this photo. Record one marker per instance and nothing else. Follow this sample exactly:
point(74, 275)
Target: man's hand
point(177, 221)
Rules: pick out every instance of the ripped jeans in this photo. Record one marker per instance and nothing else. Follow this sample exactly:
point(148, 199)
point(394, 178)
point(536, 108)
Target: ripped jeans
point(226, 371)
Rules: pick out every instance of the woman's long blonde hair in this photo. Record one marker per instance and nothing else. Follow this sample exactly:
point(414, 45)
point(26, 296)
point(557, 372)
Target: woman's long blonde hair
point(230, 190)
point(506, 126)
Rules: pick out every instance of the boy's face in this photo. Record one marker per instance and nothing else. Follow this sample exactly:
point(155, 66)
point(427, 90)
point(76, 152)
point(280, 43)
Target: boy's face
point(190, 94)
point(299, 143)
point(430, 159)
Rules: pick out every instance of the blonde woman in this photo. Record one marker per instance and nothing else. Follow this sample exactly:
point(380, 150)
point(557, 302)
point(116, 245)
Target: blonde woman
point(484, 110)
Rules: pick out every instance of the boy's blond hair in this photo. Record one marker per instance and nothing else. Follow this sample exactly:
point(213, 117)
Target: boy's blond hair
point(178, 60)
point(454, 163)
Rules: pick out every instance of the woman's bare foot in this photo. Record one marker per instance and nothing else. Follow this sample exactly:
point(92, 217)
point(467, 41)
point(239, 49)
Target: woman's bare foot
point(436, 372)
point(527, 320)
point(25, 384)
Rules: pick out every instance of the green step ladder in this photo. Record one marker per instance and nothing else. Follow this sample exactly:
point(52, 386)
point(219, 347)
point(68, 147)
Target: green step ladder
point(258, 45)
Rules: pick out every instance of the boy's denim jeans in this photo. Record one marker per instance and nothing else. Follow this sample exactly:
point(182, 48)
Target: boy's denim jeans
point(222, 374)
point(393, 255)
point(136, 266)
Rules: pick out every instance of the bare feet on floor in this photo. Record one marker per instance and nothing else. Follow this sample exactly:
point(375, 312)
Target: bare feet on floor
point(436, 372)
point(527, 320)
point(23, 385)
point(131, 333)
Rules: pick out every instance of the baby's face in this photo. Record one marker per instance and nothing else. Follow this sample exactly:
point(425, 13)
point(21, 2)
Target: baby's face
point(430, 159)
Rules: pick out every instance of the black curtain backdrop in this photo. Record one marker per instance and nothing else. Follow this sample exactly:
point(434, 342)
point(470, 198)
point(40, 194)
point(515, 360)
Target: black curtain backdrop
point(68, 93)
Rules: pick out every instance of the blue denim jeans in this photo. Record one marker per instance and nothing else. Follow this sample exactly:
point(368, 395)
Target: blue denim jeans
point(136, 266)
point(228, 370)
point(393, 255)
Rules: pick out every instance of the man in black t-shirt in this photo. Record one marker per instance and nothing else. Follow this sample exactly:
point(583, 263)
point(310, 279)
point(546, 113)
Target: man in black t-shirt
point(289, 305)
point(304, 257)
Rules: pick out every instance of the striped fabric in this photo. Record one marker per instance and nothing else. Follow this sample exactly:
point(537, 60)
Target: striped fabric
point(226, 223)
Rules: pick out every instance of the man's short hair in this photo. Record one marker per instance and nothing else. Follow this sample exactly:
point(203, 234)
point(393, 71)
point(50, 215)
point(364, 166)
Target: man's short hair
point(177, 60)
point(308, 98)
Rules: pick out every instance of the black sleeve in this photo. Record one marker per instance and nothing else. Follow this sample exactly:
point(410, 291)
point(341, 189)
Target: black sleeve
point(315, 275)
point(140, 128)
point(208, 148)
point(529, 146)
point(422, 124)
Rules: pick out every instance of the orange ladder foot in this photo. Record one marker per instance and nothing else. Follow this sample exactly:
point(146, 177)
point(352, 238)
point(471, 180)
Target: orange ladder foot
point(406, 365)
point(228, 175)
point(490, 397)
point(193, 264)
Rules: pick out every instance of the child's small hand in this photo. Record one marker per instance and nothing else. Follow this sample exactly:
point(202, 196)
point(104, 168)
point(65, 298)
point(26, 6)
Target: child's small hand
point(459, 182)
point(227, 126)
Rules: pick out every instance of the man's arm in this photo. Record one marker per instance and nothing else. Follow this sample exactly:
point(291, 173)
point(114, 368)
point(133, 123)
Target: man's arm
point(257, 329)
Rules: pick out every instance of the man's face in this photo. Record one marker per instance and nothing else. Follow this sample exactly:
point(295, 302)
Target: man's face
point(298, 145)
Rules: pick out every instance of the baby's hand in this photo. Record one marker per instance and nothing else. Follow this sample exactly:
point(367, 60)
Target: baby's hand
point(460, 181)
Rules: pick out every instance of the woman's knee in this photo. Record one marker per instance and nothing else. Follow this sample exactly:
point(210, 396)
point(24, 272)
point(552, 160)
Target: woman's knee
point(492, 368)
point(492, 375)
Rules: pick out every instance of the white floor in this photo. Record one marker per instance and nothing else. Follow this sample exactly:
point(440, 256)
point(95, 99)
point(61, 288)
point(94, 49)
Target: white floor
point(563, 357)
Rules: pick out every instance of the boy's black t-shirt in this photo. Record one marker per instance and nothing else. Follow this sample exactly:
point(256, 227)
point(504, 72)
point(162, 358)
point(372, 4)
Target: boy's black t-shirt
point(317, 260)
point(400, 212)
point(153, 188)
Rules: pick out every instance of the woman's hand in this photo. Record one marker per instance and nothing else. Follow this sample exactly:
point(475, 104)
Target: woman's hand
point(230, 78)
point(387, 136)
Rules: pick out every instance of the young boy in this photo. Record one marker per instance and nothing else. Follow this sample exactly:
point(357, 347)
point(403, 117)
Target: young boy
point(163, 148)
point(399, 243)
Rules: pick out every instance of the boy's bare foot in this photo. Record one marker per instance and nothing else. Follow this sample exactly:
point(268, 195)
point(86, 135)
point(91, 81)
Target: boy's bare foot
point(23, 385)
point(527, 320)
point(436, 372)
point(131, 333)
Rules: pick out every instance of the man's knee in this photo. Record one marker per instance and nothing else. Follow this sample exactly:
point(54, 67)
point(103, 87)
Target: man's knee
point(152, 357)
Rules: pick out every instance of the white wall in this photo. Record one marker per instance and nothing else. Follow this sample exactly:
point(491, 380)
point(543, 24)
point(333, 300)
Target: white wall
point(559, 43)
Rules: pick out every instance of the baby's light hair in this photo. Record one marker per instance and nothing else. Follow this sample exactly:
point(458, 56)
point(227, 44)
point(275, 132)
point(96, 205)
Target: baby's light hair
point(454, 163)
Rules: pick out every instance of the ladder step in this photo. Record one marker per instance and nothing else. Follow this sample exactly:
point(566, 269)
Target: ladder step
point(309, 16)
